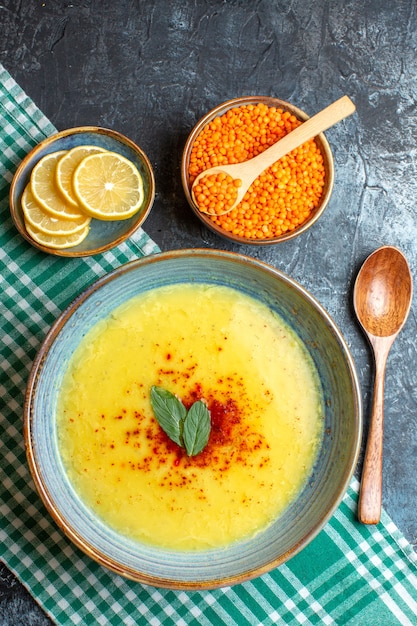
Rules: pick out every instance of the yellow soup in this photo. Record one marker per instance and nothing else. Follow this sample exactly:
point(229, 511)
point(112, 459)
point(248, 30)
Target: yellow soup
point(199, 342)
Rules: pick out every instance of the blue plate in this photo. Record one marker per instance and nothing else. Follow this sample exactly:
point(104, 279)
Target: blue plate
point(314, 505)
point(103, 235)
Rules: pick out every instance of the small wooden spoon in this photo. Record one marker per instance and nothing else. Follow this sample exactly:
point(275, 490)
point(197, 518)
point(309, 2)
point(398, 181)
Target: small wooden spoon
point(248, 171)
point(382, 299)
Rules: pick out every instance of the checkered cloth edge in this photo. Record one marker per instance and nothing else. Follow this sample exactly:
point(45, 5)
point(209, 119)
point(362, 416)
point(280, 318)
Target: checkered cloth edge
point(349, 574)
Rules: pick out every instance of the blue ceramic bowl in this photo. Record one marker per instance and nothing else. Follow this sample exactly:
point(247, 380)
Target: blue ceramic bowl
point(326, 485)
point(103, 235)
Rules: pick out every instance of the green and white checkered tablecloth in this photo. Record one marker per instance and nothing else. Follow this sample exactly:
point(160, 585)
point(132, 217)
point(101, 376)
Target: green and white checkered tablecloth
point(350, 574)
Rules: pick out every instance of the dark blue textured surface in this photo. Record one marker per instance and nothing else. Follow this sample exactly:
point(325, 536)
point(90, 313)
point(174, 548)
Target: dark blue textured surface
point(151, 69)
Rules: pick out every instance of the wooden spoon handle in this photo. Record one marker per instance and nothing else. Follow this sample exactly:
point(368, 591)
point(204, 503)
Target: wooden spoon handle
point(249, 170)
point(307, 130)
point(370, 496)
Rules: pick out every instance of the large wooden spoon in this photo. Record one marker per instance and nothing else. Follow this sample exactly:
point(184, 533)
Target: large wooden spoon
point(382, 299)
point(248, 171)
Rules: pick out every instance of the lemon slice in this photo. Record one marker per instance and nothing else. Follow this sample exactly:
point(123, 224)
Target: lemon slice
point(108, 186)
point(42, 182)
point(66, 167)
point(42, 221)
point(57, 241)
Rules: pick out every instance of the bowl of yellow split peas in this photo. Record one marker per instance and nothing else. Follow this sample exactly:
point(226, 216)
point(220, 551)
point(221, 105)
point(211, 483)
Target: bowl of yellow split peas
point(287, 198)
point(82, 191)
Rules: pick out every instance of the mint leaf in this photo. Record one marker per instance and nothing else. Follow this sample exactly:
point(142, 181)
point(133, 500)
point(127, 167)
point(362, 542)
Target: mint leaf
point(196, 429)
point(190, 430)
point(169, 412)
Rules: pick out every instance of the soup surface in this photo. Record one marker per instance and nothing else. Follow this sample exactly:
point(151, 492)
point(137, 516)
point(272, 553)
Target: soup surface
point(199, 342)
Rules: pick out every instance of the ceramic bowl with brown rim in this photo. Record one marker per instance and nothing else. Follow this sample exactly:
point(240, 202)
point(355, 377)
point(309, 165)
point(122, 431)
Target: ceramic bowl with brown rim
point(311, 507)
point(102, 235)
point(230, 231)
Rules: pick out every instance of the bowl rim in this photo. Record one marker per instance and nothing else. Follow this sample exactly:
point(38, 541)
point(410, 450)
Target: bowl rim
point(271, 101)
point(94, 552)
point(48, 142)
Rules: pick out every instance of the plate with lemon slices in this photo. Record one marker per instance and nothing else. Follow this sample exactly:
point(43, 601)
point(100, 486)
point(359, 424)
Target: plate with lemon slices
point(82, 191)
